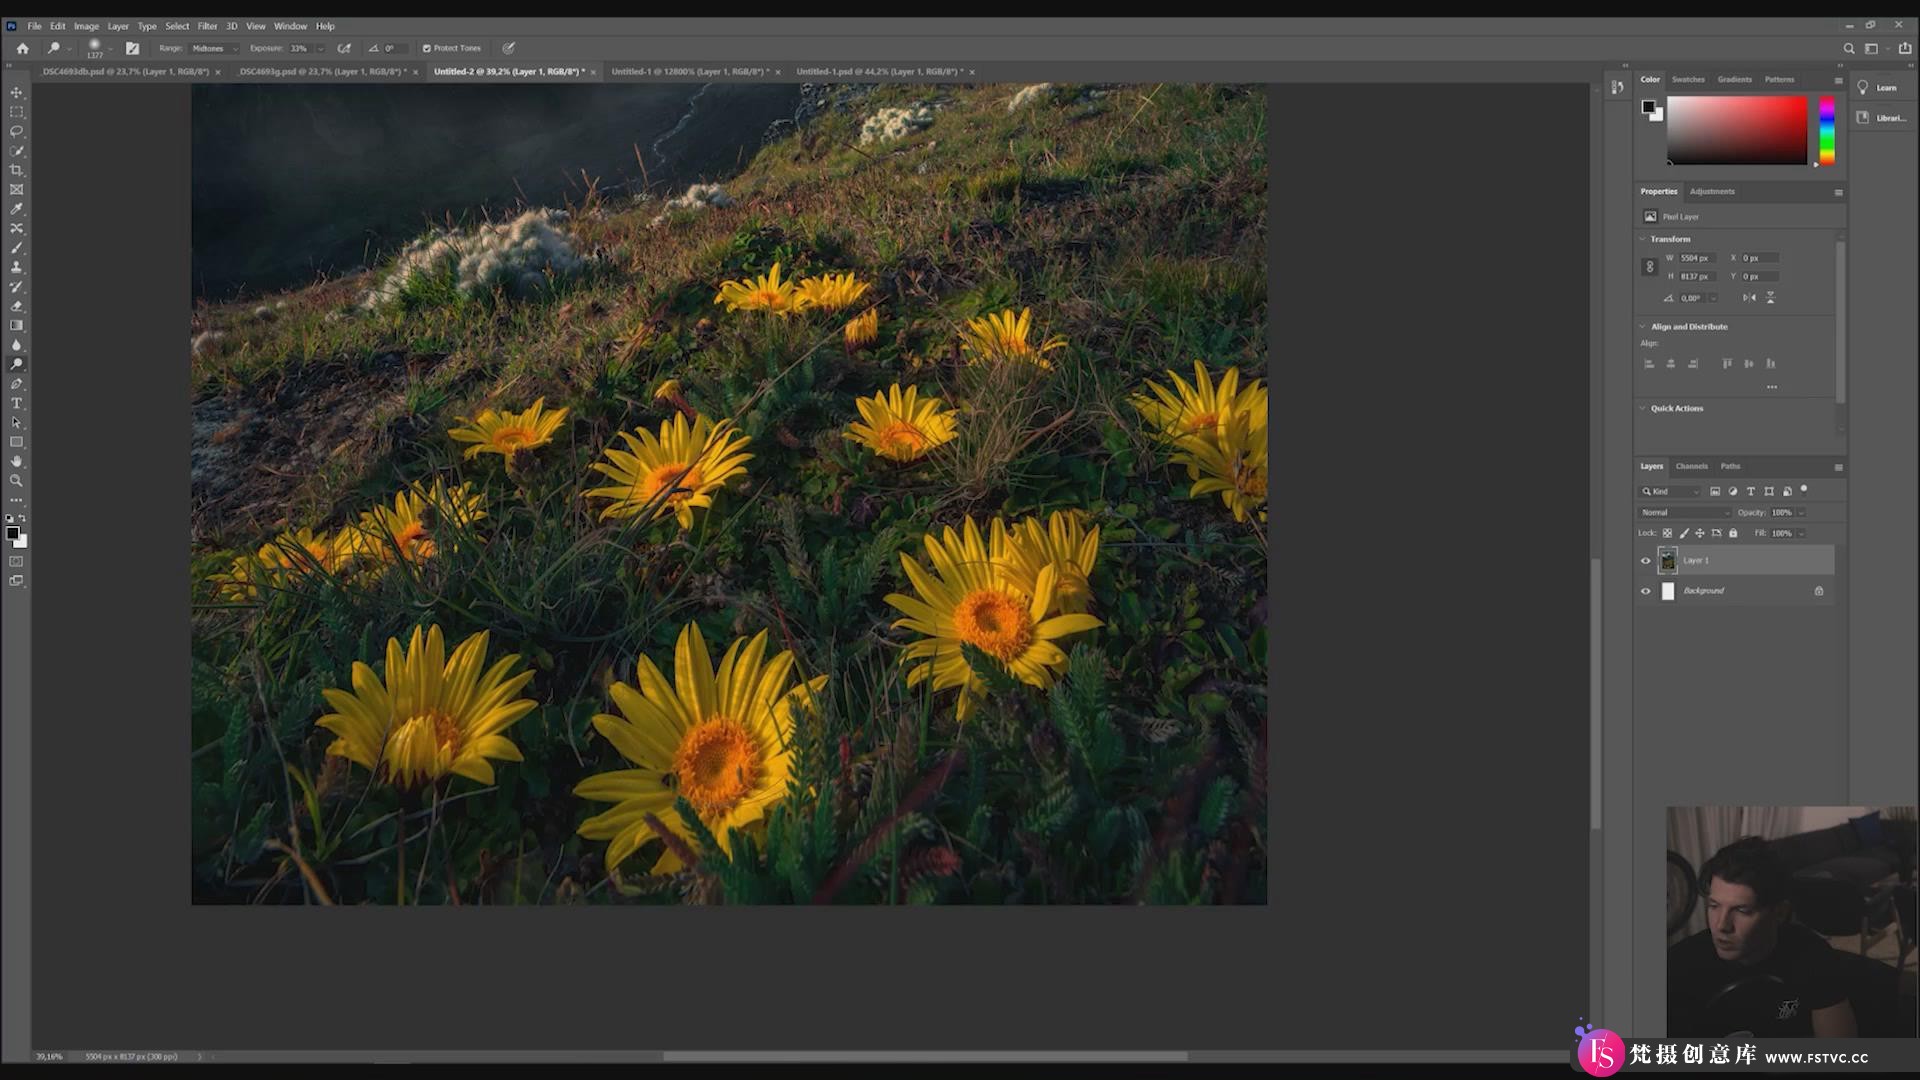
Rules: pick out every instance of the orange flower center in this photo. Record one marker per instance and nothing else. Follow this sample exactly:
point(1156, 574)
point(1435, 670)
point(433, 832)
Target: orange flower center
point(769, 299)
point(413, 541)
point(513, 438)
point(322, 556)
point(902, 440)
point(682, 478)
point(1204, 422)
point(1251, 481)
point(993, 622)
point(716, 766)
point(423, 748)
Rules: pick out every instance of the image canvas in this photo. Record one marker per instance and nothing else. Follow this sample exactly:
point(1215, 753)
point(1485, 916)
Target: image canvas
point(729, 494)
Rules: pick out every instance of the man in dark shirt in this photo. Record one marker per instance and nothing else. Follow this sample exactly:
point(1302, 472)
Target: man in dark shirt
point(1752, 970)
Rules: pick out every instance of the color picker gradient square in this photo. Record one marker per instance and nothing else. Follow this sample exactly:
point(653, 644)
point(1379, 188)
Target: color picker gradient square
point(1737, 129)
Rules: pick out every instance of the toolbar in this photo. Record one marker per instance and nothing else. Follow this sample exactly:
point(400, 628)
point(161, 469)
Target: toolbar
point(16, 256)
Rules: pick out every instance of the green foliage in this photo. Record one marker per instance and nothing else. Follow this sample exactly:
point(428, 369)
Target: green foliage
point(1078, 707)
point(1056, 808)
point(1000, 683)
point(828, 592)
point(433, 286)
point(1213, 811)
point(1000, 183)
point(1180, 880)
point(771, 392)
point(755, 247)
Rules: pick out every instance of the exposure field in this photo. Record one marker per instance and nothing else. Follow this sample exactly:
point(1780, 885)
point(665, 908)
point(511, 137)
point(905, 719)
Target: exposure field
point(1092, 727)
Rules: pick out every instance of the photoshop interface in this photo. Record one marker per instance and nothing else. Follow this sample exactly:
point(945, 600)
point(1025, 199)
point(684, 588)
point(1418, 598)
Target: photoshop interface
point(1330, 542)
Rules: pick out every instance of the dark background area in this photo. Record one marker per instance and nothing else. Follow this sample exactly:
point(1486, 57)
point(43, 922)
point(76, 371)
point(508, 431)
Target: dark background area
point(1428, 476)
point(295, 181)
point(1430, 674)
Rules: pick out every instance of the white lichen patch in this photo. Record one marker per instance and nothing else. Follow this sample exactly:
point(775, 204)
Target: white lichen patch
point(1027, 95)
point(516, 257)
point(701, 196)
point(696, 197)
point(890, 124)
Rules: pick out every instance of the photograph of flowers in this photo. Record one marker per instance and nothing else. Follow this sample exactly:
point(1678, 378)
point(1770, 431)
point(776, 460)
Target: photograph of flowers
point(675, 494)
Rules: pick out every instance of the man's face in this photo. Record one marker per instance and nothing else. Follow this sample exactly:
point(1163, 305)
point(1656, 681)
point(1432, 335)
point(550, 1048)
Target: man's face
point(1742, 929)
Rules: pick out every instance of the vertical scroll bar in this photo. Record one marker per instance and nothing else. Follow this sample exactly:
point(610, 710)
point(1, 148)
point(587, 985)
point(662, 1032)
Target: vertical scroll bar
point(1593, 694)
point(1840, 336)
point(1839, 322)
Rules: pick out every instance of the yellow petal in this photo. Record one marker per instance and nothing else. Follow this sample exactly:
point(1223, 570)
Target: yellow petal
point(1062, 625)
point(474, 767)
point(624, 784)
point(693, 673)
point(1043, 588)
point(498, 747)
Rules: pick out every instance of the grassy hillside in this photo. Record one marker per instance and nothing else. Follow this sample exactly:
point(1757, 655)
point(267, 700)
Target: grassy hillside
point(1130, 220)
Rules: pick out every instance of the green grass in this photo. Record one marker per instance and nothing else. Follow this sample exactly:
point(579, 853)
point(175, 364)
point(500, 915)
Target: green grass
point(1131, 221)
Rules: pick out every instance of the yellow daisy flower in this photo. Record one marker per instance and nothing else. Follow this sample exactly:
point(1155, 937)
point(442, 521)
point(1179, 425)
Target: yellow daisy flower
point(242, 580)
point(679, 469)
point(400, 531)
point(285, 558)
point(966, 598)
point(460, 504)
point(432, 715)
point(1065, 543)
point(509, 433)
point(767, 293)
point(1004, 337)
point(901, 426)
point(863, 330)
point(723, 739)
point(1232, 461)
point(831, 292)
point(1201, 406)
point(406, 529)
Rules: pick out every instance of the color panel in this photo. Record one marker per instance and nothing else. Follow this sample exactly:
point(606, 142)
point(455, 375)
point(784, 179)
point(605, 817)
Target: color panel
point(1826, 131)
point(1737, 129)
